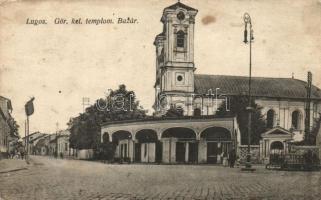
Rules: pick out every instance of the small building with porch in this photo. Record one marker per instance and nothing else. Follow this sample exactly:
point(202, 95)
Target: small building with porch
point(179, 140)
point(274, 140)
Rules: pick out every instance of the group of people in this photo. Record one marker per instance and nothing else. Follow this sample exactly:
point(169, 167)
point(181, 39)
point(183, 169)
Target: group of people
point(17, 151)
point(229, 159)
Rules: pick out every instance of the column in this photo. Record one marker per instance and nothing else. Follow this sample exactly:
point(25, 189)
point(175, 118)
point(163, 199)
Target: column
point(173, 150)
point(186, 151)
point(202, 151)
point(166, 151)
point(261, 149)
point(151, 150)
point(131, 150)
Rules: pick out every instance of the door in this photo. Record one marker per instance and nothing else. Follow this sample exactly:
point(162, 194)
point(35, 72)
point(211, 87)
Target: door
point(180, 152)
point(159, 151)
point(212, 151)
point(193, 152)
point(137, 152)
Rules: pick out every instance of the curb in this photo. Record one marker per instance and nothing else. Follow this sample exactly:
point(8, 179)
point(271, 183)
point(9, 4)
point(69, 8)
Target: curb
point(13, 170)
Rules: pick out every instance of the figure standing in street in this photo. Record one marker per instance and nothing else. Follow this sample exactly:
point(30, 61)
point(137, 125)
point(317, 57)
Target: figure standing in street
point(22, 152)
point(232, 158)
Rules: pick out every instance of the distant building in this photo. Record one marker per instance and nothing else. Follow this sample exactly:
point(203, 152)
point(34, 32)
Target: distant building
point(63, 144)
point(318, 142)
point(42, 147)
point(31, 141)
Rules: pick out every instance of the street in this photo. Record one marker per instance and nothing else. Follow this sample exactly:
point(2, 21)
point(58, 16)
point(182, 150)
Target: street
point(48, 178)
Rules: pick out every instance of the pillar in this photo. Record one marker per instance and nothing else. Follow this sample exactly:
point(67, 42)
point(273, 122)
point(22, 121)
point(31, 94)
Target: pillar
point(166, 150)
point(186, 151)
point(173, 150)
point(202, 151)
point(131, 150)
point(151, 152)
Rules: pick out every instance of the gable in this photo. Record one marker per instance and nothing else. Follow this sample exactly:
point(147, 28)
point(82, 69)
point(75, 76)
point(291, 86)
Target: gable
point(277, 132)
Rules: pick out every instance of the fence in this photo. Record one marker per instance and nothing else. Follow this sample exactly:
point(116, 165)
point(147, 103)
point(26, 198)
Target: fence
point(254, 150)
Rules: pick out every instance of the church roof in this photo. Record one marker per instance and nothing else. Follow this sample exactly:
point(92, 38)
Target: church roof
point(180, 5)
point(261, 86)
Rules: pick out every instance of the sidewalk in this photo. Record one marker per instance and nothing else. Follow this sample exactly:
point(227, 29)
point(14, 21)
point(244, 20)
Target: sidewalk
point(10, 165)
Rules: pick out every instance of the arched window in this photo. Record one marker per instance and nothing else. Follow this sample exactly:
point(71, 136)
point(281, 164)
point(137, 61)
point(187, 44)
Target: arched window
point(180, 42)
point(296, 119)
point(270, 118)
point(105, 137)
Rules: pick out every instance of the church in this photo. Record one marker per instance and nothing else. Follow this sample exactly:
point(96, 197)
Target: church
point(199, 136)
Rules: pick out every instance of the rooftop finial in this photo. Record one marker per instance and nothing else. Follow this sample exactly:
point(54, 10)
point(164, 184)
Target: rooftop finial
point(292, 75)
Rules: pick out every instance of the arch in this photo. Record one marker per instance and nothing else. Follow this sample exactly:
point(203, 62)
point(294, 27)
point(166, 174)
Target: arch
point(270, 118)
point(216, 134)
point(105, 137)
point(179, 132)
point(277, 145)
point(296, 119)
point(121, 135)
point(180, 40)
point(146, 135)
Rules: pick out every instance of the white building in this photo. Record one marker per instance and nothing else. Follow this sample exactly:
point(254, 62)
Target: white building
point(178, 85)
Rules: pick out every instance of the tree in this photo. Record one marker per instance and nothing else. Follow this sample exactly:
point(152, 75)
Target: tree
point(14, 127)
point(120, 104)
point(174, 111)
point(238, 105)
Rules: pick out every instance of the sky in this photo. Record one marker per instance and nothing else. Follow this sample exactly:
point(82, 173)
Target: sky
point(60, 64)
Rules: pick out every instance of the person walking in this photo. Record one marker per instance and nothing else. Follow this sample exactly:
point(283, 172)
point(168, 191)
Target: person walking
point(232, 158)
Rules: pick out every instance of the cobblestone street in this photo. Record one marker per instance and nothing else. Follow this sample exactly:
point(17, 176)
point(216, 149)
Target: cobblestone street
point(47, 178)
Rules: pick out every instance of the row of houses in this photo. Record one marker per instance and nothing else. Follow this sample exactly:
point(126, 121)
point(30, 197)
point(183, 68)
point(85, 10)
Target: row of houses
point(45, 144)
point(56, 144)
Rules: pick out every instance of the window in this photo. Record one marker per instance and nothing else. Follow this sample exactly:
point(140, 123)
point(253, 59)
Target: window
point(180, 39)
point(296, 120)
point(66, 146)
point(181, 15)
point(270, 118)
point(180, 78)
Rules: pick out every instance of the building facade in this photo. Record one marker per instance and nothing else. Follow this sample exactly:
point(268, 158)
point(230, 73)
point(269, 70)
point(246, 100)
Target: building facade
point(5, 126)
point(177, 85)
point(31, 141)
point(63, 144)
point(283, 100)
point(180, 140)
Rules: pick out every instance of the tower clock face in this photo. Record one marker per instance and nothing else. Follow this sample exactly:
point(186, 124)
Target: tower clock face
point(180, 15)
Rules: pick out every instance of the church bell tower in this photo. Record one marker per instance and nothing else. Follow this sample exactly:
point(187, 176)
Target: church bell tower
point(175, 58)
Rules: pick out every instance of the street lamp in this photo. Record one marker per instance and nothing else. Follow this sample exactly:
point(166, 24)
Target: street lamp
point(248, 24)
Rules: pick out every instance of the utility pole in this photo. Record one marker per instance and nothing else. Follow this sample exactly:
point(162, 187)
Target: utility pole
point(308, 139)
point(29, 108)
point(85, 102)
point(247, 21)
point(27, 122)
point(57, 126)
point(25, 147)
